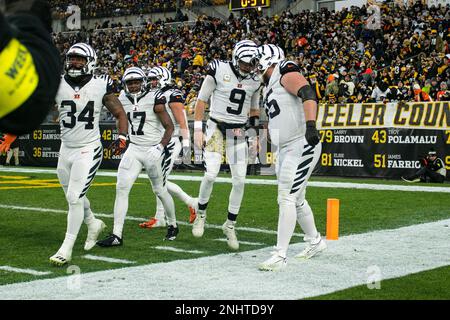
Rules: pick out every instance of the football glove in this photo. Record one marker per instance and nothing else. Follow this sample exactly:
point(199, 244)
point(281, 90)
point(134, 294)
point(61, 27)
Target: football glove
point(186, 143)
point(119, 145)
point(312, 135)
point(5, 142)
point(155, 152)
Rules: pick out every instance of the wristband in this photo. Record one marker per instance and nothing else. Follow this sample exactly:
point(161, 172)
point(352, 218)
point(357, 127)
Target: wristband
point(186, 143)
point(123, 136)
point(198, 125)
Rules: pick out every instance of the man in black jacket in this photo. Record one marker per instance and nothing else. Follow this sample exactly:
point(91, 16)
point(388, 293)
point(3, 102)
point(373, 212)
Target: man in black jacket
point(432, 170)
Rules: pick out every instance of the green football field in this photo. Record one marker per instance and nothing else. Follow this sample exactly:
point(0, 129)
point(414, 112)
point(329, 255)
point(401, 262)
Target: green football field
point(33, 224)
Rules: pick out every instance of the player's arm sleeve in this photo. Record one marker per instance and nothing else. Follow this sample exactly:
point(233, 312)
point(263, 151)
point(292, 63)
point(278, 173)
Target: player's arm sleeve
point(109, 85)
point(176, 96)
point(208, 86)
point(160, 98)
point(211, 69)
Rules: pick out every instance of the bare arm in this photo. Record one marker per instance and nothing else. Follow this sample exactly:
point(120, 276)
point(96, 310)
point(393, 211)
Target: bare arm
point(199, 112)
point(114, 106)
point(167, 123)
point(178, 112)
point(293, 82)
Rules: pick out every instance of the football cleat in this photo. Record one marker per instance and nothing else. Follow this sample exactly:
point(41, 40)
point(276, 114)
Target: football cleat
point(230, 233)
point(153, 223)
point(198, 228)
point(410, 180)
point(274, 263)
point(94, 230)
point(192, 214)
point(59, 259)
point(111, 241)
point(312, 249)
point(172, 233)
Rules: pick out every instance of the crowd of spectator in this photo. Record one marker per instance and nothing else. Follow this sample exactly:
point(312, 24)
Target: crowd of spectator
point(406, 59)
point(104, 8)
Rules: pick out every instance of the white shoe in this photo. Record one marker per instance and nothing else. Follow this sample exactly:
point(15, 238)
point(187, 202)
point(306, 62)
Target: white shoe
point(94, 230)
point(199, 226)
point(312, 249)
point(59, 259)
point(230, 233)
point(274, 263)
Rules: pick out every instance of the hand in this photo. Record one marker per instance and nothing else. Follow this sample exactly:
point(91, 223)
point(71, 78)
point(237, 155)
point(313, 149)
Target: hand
point(5, 142)
point(186, 151)
point(119, 145)
point(312, 135)
point(198, 138)
point(155, 152)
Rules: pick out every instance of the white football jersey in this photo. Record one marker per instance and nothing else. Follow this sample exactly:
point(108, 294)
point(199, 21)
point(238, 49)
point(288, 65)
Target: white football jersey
point(174, 95)
point(79, 109)
point(233, 96)
point(145, 128)
point(284, 110)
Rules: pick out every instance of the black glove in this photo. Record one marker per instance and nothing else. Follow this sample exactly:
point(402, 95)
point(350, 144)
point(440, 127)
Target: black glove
point(119, 145)
point(312, 135)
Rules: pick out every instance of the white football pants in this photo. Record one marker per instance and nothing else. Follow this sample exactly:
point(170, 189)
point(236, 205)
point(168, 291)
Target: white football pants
point(134, 159)
point(295, 163)
point(236, 151)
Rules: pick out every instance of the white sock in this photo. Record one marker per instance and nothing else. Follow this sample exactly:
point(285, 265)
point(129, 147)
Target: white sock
point(67, 246)
point(230, 223)
point(74, 221)
point(169, 207)
point(120, 210)
point(176, 191)
point(159, 210)
point(305, 219)
point(286, 226)
point(206, 188)
point(88, 215)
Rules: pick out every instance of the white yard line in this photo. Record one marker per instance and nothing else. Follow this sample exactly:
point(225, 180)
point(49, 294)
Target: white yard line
point(173, 249)
point(244, 242)
point(351, 261)
point(319, 184)
point(107, 259)
point(27, 271)
point(111, 216)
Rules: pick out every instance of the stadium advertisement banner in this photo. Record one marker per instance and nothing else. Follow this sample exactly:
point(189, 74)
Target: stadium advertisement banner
point(41, 147)
point(381, 140)
point(359, 140)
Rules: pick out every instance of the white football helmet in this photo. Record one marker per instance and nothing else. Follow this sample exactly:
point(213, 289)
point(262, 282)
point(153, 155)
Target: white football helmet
point(162, 74)
point(134, 73)
point(267, 55)
point(245, 51)
point(82, 50)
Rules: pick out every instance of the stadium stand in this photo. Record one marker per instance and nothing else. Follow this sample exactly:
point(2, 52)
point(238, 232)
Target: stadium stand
point(407, 59)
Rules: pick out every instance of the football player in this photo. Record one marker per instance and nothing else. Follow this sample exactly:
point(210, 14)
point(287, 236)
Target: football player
point(150, 133)
point(160, 78)
point(234, 93)
point(291, 107)
point(80, 98)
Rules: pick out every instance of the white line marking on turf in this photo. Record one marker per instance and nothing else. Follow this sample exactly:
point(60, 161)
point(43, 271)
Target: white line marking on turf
point(346, 263)
point(27, 271)
point(107, 259)
point(111, 216)
point(177, 250)
point(319, 184)
point(244, 242)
